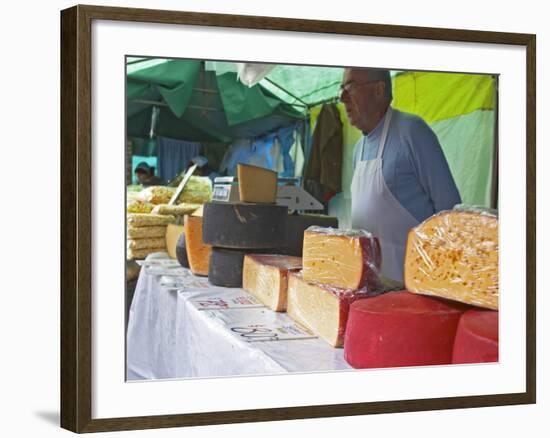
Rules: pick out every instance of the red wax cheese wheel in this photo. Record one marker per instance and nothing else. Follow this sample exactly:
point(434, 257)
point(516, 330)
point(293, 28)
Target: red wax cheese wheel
point(401, 329)
point(477, 337)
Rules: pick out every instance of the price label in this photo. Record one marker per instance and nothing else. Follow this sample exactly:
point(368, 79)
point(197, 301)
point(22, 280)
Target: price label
point(226, 302)
point(268, 332)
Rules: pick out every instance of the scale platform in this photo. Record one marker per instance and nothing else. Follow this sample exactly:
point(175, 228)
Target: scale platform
point(289, 194)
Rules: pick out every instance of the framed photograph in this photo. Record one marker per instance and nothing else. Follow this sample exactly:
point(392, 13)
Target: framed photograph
point(204, 154)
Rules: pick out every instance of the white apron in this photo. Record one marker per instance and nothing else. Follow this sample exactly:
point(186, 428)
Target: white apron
point(375, 209)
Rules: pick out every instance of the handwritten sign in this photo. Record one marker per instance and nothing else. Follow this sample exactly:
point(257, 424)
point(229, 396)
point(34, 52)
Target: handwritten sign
point(270, 332)
point(226, 302)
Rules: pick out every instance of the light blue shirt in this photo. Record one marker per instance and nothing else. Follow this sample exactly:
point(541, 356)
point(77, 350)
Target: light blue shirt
point(414, 167)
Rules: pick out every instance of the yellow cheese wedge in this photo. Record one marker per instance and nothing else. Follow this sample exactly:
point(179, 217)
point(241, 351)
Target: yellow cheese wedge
point(348, 259)
point(320, 308)
point(198, 252)
point(454, 255)
point(173, 233)
point(266, 277)
point(257, 184)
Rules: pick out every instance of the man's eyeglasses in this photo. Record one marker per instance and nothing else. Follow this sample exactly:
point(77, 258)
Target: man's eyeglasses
point(349, 86)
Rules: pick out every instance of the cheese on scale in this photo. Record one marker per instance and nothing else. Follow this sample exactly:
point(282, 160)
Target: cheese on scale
point(321, 308)
point(198, 253)
point(257, 184)
point(477, 337)
point(266, 277)
point(348, 259)
point(454, 255)
point(401, 329)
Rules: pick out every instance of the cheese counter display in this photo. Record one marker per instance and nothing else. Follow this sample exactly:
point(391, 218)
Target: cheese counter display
point(324, 281)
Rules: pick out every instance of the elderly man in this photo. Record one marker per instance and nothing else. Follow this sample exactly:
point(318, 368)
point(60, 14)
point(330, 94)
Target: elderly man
point(400, 174)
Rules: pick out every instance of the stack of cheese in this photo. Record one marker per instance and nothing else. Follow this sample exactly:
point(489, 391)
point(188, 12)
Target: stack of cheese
point(339, 267)
point(234, 229)
point(146, 234)
point(451, 264)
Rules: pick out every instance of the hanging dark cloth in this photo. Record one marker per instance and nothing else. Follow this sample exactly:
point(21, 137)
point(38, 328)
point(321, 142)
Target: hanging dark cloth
point(174, 156)
point(323, 174)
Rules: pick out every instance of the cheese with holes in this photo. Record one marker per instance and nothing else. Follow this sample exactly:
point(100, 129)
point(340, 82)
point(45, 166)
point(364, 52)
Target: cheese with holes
point(257, 184)
point(198, 253)
point(321, 308)
point(477, 337)
point(401, 329)
point(244, 226)
point(266, 277)
point(173, 233)
point(454, 255)
point(348, 259)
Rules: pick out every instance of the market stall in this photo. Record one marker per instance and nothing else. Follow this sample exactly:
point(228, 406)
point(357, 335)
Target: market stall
point(244, 272)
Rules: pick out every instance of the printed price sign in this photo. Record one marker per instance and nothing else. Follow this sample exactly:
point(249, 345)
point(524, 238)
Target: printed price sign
point(270, 332)
point(226, 302)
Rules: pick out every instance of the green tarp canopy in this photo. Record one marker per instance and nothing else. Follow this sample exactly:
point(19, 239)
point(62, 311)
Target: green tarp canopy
point(200, 104)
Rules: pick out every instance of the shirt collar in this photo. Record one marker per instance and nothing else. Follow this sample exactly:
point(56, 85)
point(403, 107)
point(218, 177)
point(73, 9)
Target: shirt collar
point(377, 131)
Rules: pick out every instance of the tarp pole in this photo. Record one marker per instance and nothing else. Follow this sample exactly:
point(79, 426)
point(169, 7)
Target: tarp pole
point(287, 92)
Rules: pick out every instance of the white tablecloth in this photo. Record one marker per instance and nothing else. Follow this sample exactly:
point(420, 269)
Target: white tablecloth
point(170, 337)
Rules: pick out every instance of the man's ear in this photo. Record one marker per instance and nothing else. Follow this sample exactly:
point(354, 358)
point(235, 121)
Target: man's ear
point(380, 89)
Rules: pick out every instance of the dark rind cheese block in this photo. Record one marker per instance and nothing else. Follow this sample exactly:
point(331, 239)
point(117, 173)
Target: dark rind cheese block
point(477, 337)
point(321, 308)
point(296, 225)
point(400, 329)
point(181, 251)
point(244, 226)
point(226, 267)
point(266, 277)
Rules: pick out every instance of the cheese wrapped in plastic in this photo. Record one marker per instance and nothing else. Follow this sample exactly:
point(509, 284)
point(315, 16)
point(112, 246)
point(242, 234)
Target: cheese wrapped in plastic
point(157, 194)
point(142, 232)
point(321, 308)
point(148, 242)
point(347, 259)
point(198, 190)
point(149, 219)
point(454, 255)
point(175, 210)
point(266, 277)
point(137, 206)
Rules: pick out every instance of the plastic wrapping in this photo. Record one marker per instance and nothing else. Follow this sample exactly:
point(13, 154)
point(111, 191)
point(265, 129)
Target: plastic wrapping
point(142, 232)
point(347, 259)
point(198, 189)
point(147, 242)
point(266, 277)
point(157, 194)
point(322, 308)
point(149, 219)
point(137, 206)
point(175, 210)
point(454, 254)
